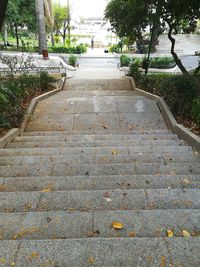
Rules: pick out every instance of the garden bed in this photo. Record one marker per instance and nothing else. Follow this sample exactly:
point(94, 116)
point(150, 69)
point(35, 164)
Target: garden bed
point(181, 93)
point(16, 95)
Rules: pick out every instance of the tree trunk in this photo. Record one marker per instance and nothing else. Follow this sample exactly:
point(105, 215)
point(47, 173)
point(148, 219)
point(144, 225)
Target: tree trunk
point(5, 34)
point(175, 56)
point(16, 34)
point(41, 25)
point(3, 7)
point(52, 37)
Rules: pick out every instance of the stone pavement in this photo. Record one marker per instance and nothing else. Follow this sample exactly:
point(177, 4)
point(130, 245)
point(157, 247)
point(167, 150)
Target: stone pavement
point(97, 157)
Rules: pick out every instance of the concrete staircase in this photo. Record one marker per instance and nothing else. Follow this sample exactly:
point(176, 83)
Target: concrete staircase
point(92, 155)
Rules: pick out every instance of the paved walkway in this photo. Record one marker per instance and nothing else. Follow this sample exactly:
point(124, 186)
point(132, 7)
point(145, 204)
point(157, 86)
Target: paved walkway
point(98, 179)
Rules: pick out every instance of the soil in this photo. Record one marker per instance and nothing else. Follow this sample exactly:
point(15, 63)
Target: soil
point(191, 125)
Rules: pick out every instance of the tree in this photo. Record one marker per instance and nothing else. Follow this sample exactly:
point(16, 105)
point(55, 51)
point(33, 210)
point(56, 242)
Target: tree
point(133, 16)
point(61, 20)
point(39, 5)
point(3, 7)
point(20, 13)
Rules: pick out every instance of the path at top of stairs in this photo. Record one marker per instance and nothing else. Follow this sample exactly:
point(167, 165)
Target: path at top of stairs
point(94, 154)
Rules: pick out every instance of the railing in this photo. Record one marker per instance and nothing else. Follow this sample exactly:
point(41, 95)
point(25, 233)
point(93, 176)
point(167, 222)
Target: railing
point(7, 71)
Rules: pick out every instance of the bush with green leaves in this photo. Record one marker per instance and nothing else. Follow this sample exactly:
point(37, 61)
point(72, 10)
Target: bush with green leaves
point(125, 61)
point(115, 48)
point(13, 91)
point(72, 60)
point(181, 92)
point(196, 110)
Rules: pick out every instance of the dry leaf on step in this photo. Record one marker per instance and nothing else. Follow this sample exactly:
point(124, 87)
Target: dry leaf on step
point(117, 225)
point(186, 181)
point(91, 260)
point(114, 152)
point(170, 233)
point(104, 126)
point(186, 233)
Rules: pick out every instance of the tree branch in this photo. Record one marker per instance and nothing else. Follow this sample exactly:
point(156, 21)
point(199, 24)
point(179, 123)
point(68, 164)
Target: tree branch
point(175, 56)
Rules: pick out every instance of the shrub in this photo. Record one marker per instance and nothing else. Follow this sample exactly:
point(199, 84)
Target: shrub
point(196, 110)
point(179, 91)
point(72, 60)
point(14, 91)
point(125, 61)
point(114, 48)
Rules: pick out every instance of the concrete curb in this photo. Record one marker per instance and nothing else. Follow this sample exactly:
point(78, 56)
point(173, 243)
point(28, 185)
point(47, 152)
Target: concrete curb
point(182, 132)
point(7, 138)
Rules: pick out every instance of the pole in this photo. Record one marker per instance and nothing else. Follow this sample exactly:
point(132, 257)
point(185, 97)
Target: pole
point(149, 51)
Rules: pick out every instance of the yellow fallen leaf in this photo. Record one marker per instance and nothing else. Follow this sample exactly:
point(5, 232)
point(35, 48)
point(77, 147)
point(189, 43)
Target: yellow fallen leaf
point(186, 233)
point(132, 234)
point(186, 181)
point(3, 260)
point(12, 263)
point(170, 233)
point(163, 261)
point(2, 187)
point(114, 152)
point(47, 189)
point(117, 225)
point(104, 126)
point(91, 260)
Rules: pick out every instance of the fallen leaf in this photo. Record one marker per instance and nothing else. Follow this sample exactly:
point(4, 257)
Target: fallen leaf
point(104, 126)
point(33, 255)
point(3, 260)
point(114, 152)
point(71, 209)
point(185, 233)
point(2, 187)
point(170, 233)
point(92, 233)
point(91, 260)
point(12, 263)
point(142, 130)
point(186, 181)
point(117, 225)
point(132, 234)
point(163, 261)
point(149, 258)
point(47, 189)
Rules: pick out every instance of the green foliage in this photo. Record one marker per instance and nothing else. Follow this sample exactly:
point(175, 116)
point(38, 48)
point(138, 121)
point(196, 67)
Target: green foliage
point(158, 62)
point(14, 91)
point(179, 91)
point(72, 60)
point(196, 110)
point(79, 49)
point(134, 70)
point(114, 48)
point(125, 61)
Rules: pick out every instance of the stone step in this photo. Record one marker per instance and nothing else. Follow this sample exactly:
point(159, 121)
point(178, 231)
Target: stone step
point(95, 132)
point(94, 150)
point(100, 159)
point(100, 169)
point(96, 143)
point(111, 182)
point(107, 84)
point(112, 252)
point(93, 138)
point(132, 199)
point(63, 224)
